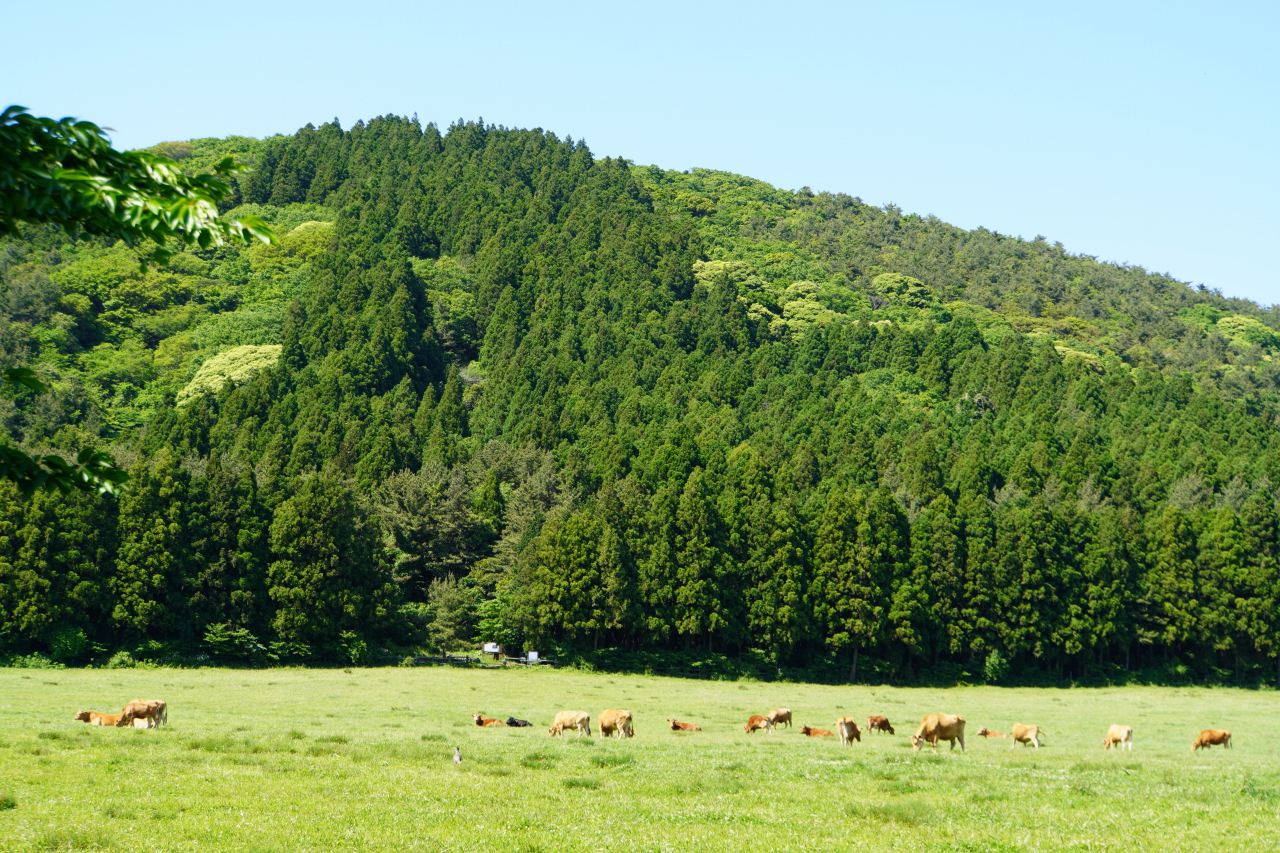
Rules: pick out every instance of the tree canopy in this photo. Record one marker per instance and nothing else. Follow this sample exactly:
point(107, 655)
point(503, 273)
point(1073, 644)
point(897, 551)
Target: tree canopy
point(529, 394)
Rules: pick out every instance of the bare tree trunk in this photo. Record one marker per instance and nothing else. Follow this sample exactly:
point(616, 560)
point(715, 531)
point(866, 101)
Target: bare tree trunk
point(853, 670)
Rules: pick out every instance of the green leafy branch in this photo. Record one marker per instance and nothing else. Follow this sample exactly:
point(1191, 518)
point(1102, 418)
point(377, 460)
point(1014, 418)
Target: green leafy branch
point(93, 470)
point(65, 172)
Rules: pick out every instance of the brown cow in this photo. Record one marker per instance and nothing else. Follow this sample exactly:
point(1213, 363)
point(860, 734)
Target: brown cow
point(848, 730)
point(1119, 736)
point(808, 732)
point(93, 718)
point(879, 723)
point(755, 721)
point(579, 720)
point(612, 721)
point(1025, 735)
point(936, 727)
point(779, 715)
point(486, 722)
point(683, 727)
point(1212, 737)
point(154, 710)
point(987, 733)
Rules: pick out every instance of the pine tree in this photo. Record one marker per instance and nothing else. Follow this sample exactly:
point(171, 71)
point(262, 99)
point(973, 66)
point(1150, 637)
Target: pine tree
point(150, 578)
point(327, 574)
point(698, 555)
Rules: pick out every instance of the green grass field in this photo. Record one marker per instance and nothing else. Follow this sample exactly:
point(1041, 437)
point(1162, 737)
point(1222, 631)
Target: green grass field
point(285, 760)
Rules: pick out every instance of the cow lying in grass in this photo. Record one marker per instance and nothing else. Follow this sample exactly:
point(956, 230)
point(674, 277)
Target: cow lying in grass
point(683, 727)
point(518, 724)
point(486, 722)
point(987, 733)
point(93, 718)
point(808, 732)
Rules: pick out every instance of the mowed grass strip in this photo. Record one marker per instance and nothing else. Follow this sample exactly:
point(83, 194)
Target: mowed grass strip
point(363, 760)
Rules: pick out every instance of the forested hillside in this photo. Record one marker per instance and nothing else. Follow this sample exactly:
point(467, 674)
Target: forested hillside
point(490, 386)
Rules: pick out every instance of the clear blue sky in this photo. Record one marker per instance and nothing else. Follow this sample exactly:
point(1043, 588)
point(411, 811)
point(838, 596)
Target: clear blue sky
point(1144, 133)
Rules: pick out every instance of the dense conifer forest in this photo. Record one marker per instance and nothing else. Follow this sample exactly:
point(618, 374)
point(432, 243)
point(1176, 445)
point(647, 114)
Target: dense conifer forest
point(488, 385)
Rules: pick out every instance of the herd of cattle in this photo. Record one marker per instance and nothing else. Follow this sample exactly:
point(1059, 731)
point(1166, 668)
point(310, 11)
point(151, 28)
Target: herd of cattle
point(138, 714)
point(150, 713)
point(933, 728)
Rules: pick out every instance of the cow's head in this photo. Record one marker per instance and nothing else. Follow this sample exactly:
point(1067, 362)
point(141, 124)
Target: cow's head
point(917, 742)
point(82, 716)
point(479, 718)
point(804, 730)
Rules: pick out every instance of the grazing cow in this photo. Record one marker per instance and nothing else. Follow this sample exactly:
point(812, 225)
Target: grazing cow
point(755, 721)
point(486, 722)
point(683, 727)
point(848, 730)
point(936, 727)
point(93, 718)
point(879, 723)
point(808, 732)
point(1212, 737)
point(987, 733)
point(612, 721)
point(518, 724)
point(1025, 735)
point(579, 720)
point(1119, 736)
point(148, 709)
point(777, 716)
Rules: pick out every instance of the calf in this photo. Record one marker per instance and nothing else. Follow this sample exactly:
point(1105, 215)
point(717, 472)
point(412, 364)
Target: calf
point(93, 718)
point(1025, 735)
point(848, 730)
point(879, 723)
point(486, 722)
point(756, 721)
point(987, 733)
point(1119, 736)
point(683, 727)
point(579, 720)
point(779, 715)
point(808, 732)
point(1212, 737)
point(518, 724)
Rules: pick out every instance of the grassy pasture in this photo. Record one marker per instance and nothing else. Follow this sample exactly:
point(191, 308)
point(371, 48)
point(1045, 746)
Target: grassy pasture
point(285, 760)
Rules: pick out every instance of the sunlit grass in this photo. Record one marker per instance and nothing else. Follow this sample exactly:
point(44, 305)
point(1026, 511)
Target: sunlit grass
point(330, 760)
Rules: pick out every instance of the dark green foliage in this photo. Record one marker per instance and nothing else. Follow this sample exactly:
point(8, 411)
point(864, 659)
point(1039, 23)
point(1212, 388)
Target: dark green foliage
point(530, 396)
